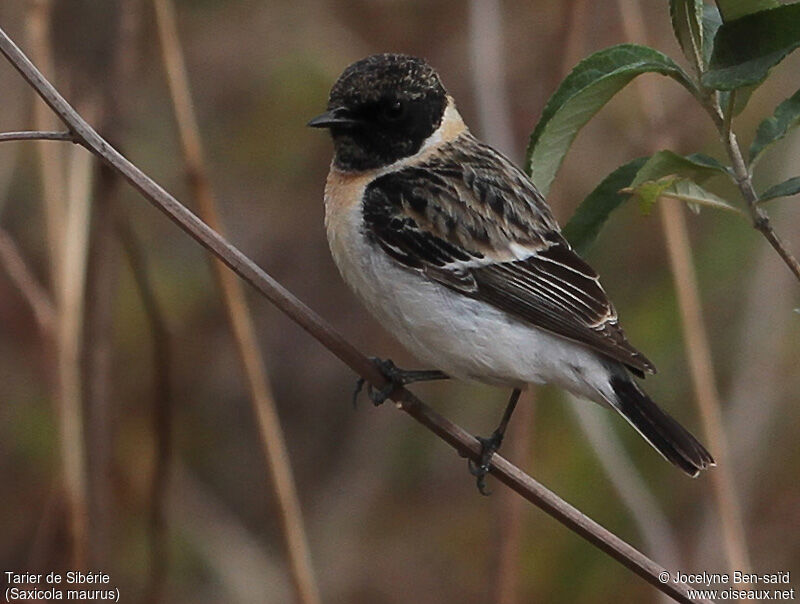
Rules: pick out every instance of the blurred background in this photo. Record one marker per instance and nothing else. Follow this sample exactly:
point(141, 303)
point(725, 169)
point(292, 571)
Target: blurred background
point(390, 512)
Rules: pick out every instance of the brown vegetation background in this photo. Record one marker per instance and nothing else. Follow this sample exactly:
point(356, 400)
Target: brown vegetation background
point(391, 513)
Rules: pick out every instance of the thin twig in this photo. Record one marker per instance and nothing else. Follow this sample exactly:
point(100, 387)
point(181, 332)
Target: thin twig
point(30, 135)
point(455, 436)
point(695, 335)
point(723, 120)
point(759, 216)
point(28, 285)
point(744, 181)
point(239, 316)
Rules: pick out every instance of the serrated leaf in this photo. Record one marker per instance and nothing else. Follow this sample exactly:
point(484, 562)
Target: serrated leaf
point(734, 9)
point(775, 127)
point(785, 189)
point(687, 18)
point(745, 49)
point(590, 85)
point(712, 21)
point(590, 216)
point(697, 167)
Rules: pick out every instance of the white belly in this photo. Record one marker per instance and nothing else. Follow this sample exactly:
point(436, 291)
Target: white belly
point(465, 338)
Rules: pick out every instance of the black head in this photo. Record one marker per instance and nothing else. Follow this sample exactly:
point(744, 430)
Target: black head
point(382, 109)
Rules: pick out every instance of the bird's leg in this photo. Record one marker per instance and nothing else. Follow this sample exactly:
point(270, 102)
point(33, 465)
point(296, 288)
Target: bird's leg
point(395, 377)
point(492, 444)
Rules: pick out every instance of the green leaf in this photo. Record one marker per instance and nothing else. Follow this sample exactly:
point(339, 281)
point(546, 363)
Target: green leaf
point(687, 17)
point(785, 189)
point(585, 224)
point(589, 86)
point(696, 196)
point(696, 167)
point(682, 189)
point(775, 127)
point(706, 161)
point(647, 193)
point(734, 9)
point(741, 99)
point(712, 21)
point(746, 49)
point(663, 174)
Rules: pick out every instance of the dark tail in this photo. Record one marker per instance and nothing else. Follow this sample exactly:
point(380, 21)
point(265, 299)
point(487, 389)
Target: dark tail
point(668, 437)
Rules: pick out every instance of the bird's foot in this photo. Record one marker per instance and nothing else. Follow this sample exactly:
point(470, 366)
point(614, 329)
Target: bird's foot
point(481, 468)
point(395, 378)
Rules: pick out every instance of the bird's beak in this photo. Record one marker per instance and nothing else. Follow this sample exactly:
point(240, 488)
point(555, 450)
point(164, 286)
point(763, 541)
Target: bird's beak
point(335, 118)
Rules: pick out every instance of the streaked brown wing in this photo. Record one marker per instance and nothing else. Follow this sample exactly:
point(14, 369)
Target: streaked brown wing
point(464, 217)
point(555, 290)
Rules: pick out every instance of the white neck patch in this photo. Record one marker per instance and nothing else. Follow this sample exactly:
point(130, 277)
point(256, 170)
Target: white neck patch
point(451, 127)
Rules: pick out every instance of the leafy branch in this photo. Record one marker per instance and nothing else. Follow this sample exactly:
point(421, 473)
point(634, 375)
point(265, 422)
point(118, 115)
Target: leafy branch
point(729, 61)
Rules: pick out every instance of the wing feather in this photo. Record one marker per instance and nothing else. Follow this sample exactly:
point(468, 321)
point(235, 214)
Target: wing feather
point(470, 220)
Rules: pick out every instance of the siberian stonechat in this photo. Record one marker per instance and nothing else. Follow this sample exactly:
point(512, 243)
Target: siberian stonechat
point(457, 254)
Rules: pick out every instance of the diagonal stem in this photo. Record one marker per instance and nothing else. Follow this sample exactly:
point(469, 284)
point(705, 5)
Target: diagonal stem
point(29, 286)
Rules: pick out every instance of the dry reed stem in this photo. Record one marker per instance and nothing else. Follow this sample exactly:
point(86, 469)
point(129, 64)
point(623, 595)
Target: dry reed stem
point(464, 443)
point(69, 332)
point(488, 74)
point(51, 158)
point(261, 397)
point(28, 285)
point(695, 335)
point(645, 510)
point(66, 243)
point(228, 548)
point(97, 358)
point(101, 289)
point(161, 409)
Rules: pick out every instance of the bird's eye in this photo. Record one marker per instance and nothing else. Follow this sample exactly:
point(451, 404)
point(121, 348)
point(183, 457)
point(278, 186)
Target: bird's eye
point(393, 110)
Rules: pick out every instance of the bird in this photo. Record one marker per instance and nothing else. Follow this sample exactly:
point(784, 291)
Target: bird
point(456, 253)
